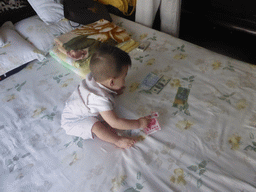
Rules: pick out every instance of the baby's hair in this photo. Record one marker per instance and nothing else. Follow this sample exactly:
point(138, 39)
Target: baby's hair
point(108, 62)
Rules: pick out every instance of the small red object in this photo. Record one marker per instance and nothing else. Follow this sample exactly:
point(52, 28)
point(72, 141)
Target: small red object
point(153, 126)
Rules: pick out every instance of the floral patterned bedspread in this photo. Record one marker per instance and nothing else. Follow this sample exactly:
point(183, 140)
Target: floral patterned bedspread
point(207, 112)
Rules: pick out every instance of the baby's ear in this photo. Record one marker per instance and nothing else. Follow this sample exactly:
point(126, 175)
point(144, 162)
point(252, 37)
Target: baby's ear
point(111, 82)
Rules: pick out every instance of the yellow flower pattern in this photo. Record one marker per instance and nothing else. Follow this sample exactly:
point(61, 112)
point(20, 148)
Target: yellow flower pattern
point(231, 84)
point(150, 62)
point(184, 125)
point(235, 141)
point(117, 182)
point(241, 104)
point(216, 65)
point(143, 36)
point(134, 86)
point(9, 98)
point(180, 56)
point(178, 177)
point(175, 83)
point(38, 111)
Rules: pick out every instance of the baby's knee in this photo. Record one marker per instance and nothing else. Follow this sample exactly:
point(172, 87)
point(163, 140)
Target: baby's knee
point(97, 126)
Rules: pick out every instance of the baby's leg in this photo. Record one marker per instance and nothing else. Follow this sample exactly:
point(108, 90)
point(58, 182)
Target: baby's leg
point(108, 135)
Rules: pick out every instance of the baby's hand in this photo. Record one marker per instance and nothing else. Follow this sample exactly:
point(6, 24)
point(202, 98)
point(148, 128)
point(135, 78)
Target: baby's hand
point(144, 121)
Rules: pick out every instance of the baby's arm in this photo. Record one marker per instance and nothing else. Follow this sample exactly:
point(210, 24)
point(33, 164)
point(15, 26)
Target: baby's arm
point(124, 124)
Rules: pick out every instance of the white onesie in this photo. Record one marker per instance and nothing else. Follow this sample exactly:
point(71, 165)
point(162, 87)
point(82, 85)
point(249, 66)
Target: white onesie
point(82, 108)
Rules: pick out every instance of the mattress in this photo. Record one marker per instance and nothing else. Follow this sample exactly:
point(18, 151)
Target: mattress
point(207, 116)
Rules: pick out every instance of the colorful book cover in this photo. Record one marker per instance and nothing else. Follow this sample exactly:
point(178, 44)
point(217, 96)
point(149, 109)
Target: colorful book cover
point(80, 43)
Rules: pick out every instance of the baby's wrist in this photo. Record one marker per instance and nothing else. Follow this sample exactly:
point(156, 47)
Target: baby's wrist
point(141, 123)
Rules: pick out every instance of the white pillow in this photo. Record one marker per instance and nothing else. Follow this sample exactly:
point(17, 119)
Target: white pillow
point(39, 34)
point(50, 11)
point(2, 42)
point(17, 51)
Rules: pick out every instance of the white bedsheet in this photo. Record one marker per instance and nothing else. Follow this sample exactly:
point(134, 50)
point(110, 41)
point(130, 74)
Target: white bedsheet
point(208, 143)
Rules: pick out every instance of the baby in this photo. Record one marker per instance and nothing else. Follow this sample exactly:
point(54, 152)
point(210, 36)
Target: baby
point(93, 99)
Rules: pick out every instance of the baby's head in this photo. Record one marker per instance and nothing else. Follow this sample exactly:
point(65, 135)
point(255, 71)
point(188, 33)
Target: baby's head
point(109, 66)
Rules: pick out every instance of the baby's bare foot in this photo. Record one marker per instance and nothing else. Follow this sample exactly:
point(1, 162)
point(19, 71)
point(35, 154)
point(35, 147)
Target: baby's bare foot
point(125, 142)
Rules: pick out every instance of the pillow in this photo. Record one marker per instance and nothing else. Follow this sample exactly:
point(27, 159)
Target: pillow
point(2, 41)
point(17, 51)
point(41, 35)
point(50, 11)
point(15, 10)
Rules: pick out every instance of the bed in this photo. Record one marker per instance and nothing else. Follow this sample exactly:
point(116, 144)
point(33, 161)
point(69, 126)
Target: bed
point(207, 115)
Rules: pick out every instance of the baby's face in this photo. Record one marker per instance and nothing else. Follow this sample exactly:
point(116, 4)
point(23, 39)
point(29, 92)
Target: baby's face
point(119, 82)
